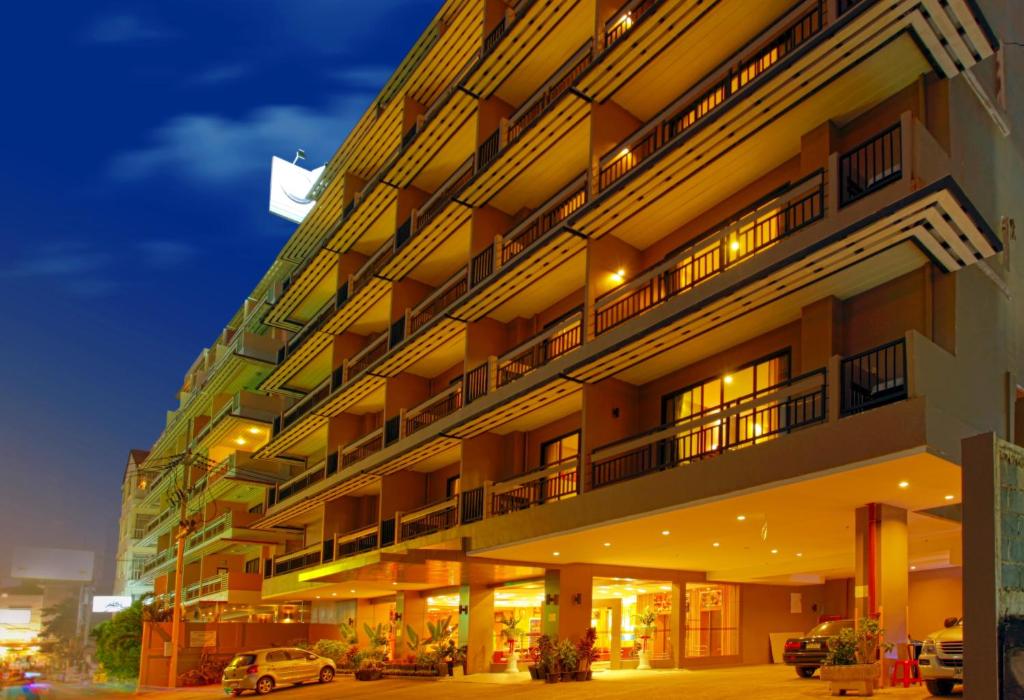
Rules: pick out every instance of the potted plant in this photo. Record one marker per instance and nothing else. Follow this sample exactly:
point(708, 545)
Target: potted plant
point(852, 659)
point(371, 661)
point(586, 653)
point(645, 629)
point(510, 633)
point(567, 659)
point(547, 660)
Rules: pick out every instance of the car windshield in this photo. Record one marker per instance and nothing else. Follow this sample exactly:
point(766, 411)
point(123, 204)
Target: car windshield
point(242, 660)
point(828, 629)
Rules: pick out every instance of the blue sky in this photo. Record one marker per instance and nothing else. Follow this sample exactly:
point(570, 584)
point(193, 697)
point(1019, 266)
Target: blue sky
point(136, 141)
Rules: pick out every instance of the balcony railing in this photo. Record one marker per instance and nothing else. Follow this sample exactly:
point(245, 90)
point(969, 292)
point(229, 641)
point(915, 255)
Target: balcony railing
point(873, 378)
point(623, 21)
point(366, 357)
point(471, 503)
point(439, 301)
point(844, 6)
point(372, 267)
point(304, 406)
point(531, 230)
point(431, 519)
point(315, 324)
point(552, 483)
point(540, 350)
point(159, 559)
point(211, 530)
point(443, 197)
point(208, 586)
point(738, 238)
point(477, 382)
point(301, 482)
point(434, 409)
point(746, 421)
point(161, 519)
point(387, 532)
point(549, 93)
point(737, 74)
point(353, 543)
point(363, 447)
point(870, 166)
point(302, 559)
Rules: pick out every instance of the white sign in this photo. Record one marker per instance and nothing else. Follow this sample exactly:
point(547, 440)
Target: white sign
point(111, 603)
point(15, 616)
point(290, 188)
point(52, 564)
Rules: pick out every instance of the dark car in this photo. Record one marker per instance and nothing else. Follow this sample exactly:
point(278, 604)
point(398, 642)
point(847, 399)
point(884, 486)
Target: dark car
point(807, 653)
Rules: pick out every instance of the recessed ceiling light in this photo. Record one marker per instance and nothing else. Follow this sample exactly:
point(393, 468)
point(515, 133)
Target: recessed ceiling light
point(727, 379)
point(949, 497)
point(913, 568)
point(716, 544)
point(351, 590)
point(799, 554)
point(334, 595)
point(741, 518)
point(903, 484)
point(318, 597)
point(394, 583)
point(666, 532)
point(607, 544)
point(255, 431)
point(775, 551)
point(556, 554)
point(240, 440)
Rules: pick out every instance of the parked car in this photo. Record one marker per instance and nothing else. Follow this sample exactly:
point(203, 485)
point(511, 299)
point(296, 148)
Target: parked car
point(808, 652)
point(264, 669)
point(942, 658)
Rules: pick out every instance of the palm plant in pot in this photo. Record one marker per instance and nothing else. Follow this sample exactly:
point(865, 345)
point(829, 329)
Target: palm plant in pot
point(586, 654)
point(510, 633)
point(441, 639)
point(547, 659)
point(370, 662)
point(567, 659)
point(852, 659)
point(645, 630)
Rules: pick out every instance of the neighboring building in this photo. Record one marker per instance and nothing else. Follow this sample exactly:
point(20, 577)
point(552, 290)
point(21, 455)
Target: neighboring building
point(612, 307)
point(21, 624)
point(131, 529)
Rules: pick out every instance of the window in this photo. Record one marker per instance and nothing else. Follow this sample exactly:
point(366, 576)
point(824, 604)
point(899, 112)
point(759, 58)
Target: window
point(252, 566)
point(712, 620)
point(275, 656)
point(560, 449)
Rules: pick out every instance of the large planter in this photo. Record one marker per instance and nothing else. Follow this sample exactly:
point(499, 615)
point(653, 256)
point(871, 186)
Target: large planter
point(534, 673)
point(513, 663)
point(643, 658)
point(369, 674)
point(859, 678)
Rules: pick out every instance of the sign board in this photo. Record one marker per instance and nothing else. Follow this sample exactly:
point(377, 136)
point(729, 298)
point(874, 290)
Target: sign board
point(110, 603)
point(15, 616)
point(202, 638)
point(43, 564)
point(290, 189)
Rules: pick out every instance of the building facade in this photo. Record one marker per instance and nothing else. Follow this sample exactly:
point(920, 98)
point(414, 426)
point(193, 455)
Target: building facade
point(610, 309)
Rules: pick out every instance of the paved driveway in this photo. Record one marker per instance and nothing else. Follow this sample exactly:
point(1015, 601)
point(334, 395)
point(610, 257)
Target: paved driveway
point(760, 682)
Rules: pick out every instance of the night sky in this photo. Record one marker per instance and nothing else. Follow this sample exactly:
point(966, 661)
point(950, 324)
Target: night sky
point(136, 145)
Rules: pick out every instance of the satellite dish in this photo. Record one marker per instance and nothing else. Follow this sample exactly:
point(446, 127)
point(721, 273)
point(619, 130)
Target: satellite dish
point(291, 189)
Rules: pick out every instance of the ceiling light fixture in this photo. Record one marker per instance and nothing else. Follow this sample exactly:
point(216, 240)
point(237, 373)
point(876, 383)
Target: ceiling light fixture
point(666, 532)
point(556, 554)
point(775, 551)
point(727, 379)
point(950, 497)
point(716, 544)
point(607, 544)
point(741, 518)
point(903, 484)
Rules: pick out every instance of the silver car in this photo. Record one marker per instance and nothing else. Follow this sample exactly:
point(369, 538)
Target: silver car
point(263, 670)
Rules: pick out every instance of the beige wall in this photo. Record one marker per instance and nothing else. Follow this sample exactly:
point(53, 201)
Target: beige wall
point(934, 595)
point(766, 609)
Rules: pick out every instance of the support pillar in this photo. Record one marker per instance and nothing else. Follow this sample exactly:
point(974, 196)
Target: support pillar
point(410, 610)
point(476, 626)
point(615, 648)
point(568, 601)
point(882, 568)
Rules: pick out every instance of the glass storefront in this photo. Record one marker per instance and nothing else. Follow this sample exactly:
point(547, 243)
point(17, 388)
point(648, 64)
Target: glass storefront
point(712, 620)
point(524, 602)
point(631, 600)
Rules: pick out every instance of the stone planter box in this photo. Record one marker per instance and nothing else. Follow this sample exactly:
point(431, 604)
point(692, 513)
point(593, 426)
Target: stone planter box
point(859, 678)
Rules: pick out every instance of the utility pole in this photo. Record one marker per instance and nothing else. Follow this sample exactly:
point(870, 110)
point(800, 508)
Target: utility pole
point(184, 529)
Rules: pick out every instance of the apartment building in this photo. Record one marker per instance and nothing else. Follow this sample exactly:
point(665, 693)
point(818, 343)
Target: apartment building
point(131, 530)
point(607, 308)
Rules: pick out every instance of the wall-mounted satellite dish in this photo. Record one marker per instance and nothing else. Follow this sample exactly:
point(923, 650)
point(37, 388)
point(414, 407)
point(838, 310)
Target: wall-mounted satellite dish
point(291, 188)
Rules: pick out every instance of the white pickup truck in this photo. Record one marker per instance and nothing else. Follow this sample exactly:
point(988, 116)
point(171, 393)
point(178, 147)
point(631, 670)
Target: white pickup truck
point(942, 658)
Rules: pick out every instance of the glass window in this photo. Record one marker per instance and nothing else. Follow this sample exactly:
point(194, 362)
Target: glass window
point(712, 620)
point(560, 449)
point(451, 486)
point(275, 656)
point(243, 660)
point(252, 566)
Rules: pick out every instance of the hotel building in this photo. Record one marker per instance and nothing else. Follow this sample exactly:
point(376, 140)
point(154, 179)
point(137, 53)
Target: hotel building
point(612, 307)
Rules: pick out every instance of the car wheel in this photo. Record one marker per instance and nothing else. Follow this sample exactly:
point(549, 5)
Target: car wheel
point(806, 671)
point(326, 674)
point(940, 687)
point(264, 685)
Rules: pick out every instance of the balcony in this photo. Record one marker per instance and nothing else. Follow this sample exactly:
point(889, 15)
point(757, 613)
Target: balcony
point(438, 303)
point(743, 235)
point(433, 409)
point(294, 561)
point(747, 421)
point(558, 340)
point(158, 561)
point(242, 420)
point(547, 484)
point(873, 378)
point(430, 519)
point(314, 474)
point(358, 542)
point(679, 118)
point(229, 587)
point(363, 447)
point(310, 401)
point(623, 21)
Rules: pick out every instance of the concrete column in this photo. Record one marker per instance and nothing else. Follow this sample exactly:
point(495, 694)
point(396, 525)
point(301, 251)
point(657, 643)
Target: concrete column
point(364, 614)
point(615, 648)
point(821, 332)
point(476, 626)
point(678, 632)
point(412, 608)
point(882, 568)
point(568, 601)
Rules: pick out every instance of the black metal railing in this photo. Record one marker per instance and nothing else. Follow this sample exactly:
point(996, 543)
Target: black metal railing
point(741, 236)
point(494, 38)
point(477, 382)
point(387, 532)
point(481, 266)
point(551, 485)
point(372, 444)
point(366, 543)
point(375, 350)
point(451, 190)
point(873, 378)
point(488, 150)
point(429, 523)
point(472, 505)
point(844, 6)
point(638, 149)
point(548, 95)
point(304, 482)
point(445, 405)
point(623, 21)
point(304, 406)
point(539, 354)
point(550, 216)
point(870, 166)
point(392, 429)
point(456, 287)
point(299, 562)
point(716, 432)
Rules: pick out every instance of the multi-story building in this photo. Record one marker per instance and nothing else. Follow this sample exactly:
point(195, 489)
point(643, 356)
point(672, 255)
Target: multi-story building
point(669, 305)
point(131, 530)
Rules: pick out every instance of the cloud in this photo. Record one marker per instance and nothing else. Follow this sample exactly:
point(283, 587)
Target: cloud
point(123, 29)
point(370, 78)
point(59, 260)
point(218, 75)
point(213, 150)
point(161, 253)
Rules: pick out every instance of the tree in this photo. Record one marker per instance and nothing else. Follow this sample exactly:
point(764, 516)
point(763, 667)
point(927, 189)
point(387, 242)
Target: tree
point(119, 643)
point(60, 633)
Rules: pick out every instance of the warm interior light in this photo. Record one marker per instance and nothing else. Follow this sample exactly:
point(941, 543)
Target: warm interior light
point(799, 554)
point(949, 497)
point(757, 429)
point(665, 532)
point(904, 484)
point(240, 440)
point(619, 276)
point(727, 379)
point(716, 544)
point(626, 20)
point(556, 554)
point(334, 595)
point(775, 551)
point(351, 590)
point(913, 568)
point(255, 431)
point(624, 152)
point(734, 246)
point(607, 544)
point(741, 518)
